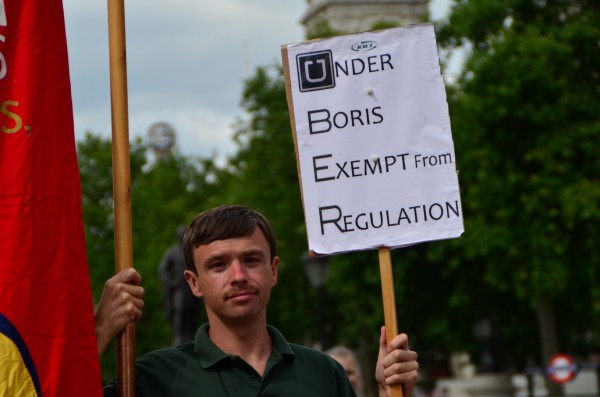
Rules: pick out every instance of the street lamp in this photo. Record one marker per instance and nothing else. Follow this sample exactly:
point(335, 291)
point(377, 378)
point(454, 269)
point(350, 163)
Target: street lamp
point(482, 331)
point(316, 268)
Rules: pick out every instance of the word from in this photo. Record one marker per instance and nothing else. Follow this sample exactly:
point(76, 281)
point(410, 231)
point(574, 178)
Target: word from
point(432, 161)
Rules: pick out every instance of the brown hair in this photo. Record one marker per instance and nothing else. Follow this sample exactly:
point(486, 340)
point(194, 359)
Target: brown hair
point(221, 223)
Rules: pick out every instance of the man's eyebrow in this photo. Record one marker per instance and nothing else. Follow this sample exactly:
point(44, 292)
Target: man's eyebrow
point(221, 257)
point(255, 251)
point(212, 259)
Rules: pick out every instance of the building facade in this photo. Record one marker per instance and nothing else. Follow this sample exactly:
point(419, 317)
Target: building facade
point(351, 16)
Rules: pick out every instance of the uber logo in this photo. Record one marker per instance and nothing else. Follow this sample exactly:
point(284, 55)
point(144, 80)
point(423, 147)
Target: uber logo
point(315, 71)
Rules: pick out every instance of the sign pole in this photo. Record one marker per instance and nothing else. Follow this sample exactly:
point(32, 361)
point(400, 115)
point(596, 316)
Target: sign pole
point(121, 183)
point(389, 302)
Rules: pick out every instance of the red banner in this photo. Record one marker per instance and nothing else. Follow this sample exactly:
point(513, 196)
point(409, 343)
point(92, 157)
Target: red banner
point(47, 339)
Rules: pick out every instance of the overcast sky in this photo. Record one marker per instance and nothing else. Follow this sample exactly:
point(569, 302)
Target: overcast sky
point(186, 63)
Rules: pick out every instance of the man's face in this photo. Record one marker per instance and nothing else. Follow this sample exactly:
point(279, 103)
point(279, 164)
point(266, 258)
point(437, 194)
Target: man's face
point(235, 277)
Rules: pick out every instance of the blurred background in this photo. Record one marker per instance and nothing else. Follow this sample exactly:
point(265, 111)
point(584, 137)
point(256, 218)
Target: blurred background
point(486, 312)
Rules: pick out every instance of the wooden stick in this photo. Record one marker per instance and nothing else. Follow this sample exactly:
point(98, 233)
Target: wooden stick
point(121, 183)
point(389, 302)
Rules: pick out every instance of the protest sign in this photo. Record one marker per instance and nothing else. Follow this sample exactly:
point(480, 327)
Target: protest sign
point(373, 141)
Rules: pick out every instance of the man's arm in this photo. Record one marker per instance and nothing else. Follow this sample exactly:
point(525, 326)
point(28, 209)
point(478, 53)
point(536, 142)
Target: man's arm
point(396, 364)
point(121, 303)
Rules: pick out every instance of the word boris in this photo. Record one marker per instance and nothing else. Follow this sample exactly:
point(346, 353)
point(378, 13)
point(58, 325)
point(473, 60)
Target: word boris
point(333, 217)
point(322, 120)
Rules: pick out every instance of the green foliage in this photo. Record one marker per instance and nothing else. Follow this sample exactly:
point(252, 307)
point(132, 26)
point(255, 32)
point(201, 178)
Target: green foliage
point(525, 127)
point(164, 195)
point(524, 118)
point(322, 29)
point(384, 25)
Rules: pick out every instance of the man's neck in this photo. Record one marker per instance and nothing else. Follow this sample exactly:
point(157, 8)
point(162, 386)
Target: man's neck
point(251, 342)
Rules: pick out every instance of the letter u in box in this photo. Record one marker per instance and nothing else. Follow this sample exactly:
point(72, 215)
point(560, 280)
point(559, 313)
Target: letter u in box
point(315, 71)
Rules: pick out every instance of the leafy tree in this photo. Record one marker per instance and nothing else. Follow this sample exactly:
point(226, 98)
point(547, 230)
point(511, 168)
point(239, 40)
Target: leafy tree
point(165, 195)
point(525, 121)
point(524, 118)
point(524, 115)
point(94, 155)
point(321, 29)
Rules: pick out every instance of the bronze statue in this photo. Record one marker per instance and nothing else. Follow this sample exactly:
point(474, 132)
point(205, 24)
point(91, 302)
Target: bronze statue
point(181, 306)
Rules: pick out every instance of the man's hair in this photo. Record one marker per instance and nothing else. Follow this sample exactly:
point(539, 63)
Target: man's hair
point(221, 223)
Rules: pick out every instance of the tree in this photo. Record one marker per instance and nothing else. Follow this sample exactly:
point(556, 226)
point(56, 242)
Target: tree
point(165, 194)
point(525, 122)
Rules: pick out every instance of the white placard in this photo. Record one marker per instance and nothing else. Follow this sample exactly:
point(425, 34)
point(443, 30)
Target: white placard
point(373, 140)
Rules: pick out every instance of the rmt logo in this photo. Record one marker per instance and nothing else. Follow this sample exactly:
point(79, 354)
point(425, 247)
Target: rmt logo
point(315, 71)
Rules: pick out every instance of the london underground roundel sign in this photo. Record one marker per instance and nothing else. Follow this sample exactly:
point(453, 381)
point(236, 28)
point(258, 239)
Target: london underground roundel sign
point(562, 368)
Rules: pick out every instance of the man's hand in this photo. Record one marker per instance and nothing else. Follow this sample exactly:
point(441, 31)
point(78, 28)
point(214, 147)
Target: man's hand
point(120, 304)
point(396, 365)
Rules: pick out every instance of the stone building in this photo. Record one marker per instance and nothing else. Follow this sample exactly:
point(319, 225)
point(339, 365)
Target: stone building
point(351, 16)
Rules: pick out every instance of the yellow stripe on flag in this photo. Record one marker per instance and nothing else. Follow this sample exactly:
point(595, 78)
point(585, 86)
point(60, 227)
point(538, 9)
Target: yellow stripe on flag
point(15, 379)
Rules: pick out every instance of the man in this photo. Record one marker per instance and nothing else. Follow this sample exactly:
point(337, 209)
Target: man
point(231, 263)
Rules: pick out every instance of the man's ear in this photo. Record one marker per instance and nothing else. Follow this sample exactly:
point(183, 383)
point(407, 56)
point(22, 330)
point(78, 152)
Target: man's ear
point(274, 270)
point(192, 280)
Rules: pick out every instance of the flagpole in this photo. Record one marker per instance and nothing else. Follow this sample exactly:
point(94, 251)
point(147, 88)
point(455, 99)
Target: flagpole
point(121, 183)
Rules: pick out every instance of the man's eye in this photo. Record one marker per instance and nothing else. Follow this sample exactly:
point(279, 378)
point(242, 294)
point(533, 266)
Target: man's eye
point(217, 266)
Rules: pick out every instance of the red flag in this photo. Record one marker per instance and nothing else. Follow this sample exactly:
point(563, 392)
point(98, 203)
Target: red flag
point(47, 339)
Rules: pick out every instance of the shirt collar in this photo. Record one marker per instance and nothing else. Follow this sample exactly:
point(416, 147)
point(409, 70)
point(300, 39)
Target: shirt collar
point(209, 354)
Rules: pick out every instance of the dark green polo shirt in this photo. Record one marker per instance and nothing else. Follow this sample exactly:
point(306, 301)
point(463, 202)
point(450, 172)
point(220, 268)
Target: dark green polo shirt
point(201, 369)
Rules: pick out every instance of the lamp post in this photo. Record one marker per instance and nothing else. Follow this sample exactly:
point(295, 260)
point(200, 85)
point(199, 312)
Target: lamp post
point(317, 268)
point(482, 331)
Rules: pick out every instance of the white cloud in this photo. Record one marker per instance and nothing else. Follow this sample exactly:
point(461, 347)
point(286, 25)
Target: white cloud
point(186, 61)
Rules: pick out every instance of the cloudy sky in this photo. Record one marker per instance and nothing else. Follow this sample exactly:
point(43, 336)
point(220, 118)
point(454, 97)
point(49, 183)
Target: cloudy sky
point(186, 63)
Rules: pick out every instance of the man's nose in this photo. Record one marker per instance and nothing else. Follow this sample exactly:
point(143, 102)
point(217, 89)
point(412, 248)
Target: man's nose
point(238, 271)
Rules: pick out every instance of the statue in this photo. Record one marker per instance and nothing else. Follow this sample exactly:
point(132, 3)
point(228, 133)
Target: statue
point(182, 308)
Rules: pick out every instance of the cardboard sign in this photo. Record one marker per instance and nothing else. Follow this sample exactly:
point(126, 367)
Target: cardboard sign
point(373, 140)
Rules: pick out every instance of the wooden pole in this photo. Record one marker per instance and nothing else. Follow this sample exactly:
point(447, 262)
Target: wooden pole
point(389, 302)
point(121, 183)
